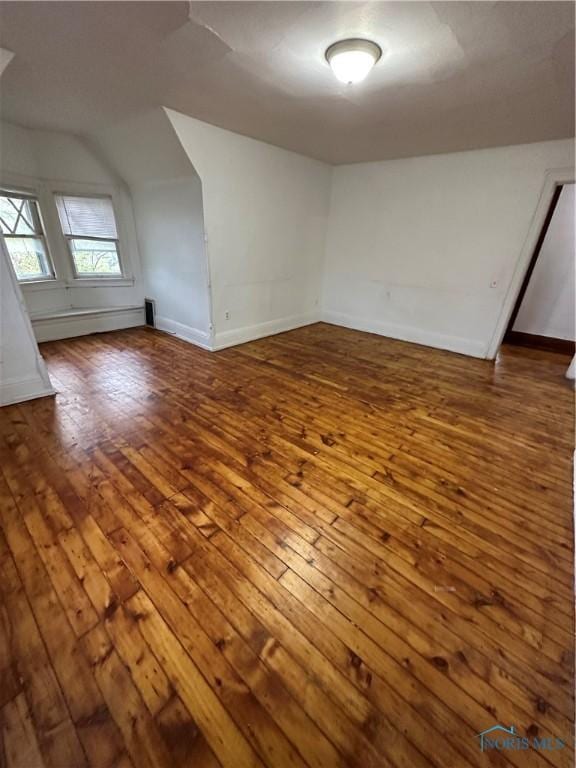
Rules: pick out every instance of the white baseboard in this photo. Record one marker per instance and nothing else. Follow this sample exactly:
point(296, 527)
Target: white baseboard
point(80, 322)
point(459, 344)
point(19, 390)
point(236, 336)
point(184, 332)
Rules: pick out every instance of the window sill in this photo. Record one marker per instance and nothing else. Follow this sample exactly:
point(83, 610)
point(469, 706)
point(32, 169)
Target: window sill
point(100, 282)
point(41, 285)
point(78, 282)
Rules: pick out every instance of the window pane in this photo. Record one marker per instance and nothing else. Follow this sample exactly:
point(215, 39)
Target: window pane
point(28, 257)
point(95, 257)
point(19, 216)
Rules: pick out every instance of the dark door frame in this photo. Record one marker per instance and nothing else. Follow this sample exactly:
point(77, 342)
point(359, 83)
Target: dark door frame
point(533, 260)
point(552, 179)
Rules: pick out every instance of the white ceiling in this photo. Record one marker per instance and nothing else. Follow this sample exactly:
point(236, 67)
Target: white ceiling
point(454, 75)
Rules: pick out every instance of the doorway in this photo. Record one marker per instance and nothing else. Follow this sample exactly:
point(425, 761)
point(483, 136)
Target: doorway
point(543, 316)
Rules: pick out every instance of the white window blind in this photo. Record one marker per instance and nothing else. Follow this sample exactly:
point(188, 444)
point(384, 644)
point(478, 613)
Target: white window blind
point(87, 217)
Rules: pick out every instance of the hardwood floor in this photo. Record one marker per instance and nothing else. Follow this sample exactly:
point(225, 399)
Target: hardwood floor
point(320, 549)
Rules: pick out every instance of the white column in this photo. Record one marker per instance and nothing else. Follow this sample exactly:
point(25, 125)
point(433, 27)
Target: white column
point(23, 374)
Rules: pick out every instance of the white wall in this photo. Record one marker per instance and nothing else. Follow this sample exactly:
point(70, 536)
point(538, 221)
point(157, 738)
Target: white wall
point(23, 375)
point(265, 214)
point(18, 150)
point(45, 162)
point(170, 222)
point(424, 249)
point(167, 196)
point(548, 306)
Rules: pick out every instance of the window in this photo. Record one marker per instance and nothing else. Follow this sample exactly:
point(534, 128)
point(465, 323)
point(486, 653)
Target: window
point(89, 226)
point(21, 227)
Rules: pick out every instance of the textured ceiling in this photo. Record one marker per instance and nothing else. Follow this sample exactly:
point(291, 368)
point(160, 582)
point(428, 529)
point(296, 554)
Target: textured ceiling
point(454, 75)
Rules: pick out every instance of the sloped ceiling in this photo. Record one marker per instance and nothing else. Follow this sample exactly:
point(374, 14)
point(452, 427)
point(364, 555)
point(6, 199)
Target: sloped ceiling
point(454, 75)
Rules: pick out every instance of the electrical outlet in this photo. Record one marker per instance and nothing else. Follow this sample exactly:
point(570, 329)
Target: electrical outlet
point(227, 315)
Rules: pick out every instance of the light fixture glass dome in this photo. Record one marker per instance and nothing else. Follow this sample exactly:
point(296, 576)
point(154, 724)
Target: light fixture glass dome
point(351, 60)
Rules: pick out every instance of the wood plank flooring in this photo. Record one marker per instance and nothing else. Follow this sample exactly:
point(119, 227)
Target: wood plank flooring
point(322, 549)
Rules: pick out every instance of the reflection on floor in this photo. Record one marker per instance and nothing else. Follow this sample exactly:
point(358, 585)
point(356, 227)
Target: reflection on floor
point(321, 549)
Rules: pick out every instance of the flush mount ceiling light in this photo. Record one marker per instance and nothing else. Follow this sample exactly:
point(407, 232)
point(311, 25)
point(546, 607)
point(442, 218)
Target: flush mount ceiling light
point(351, 60)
